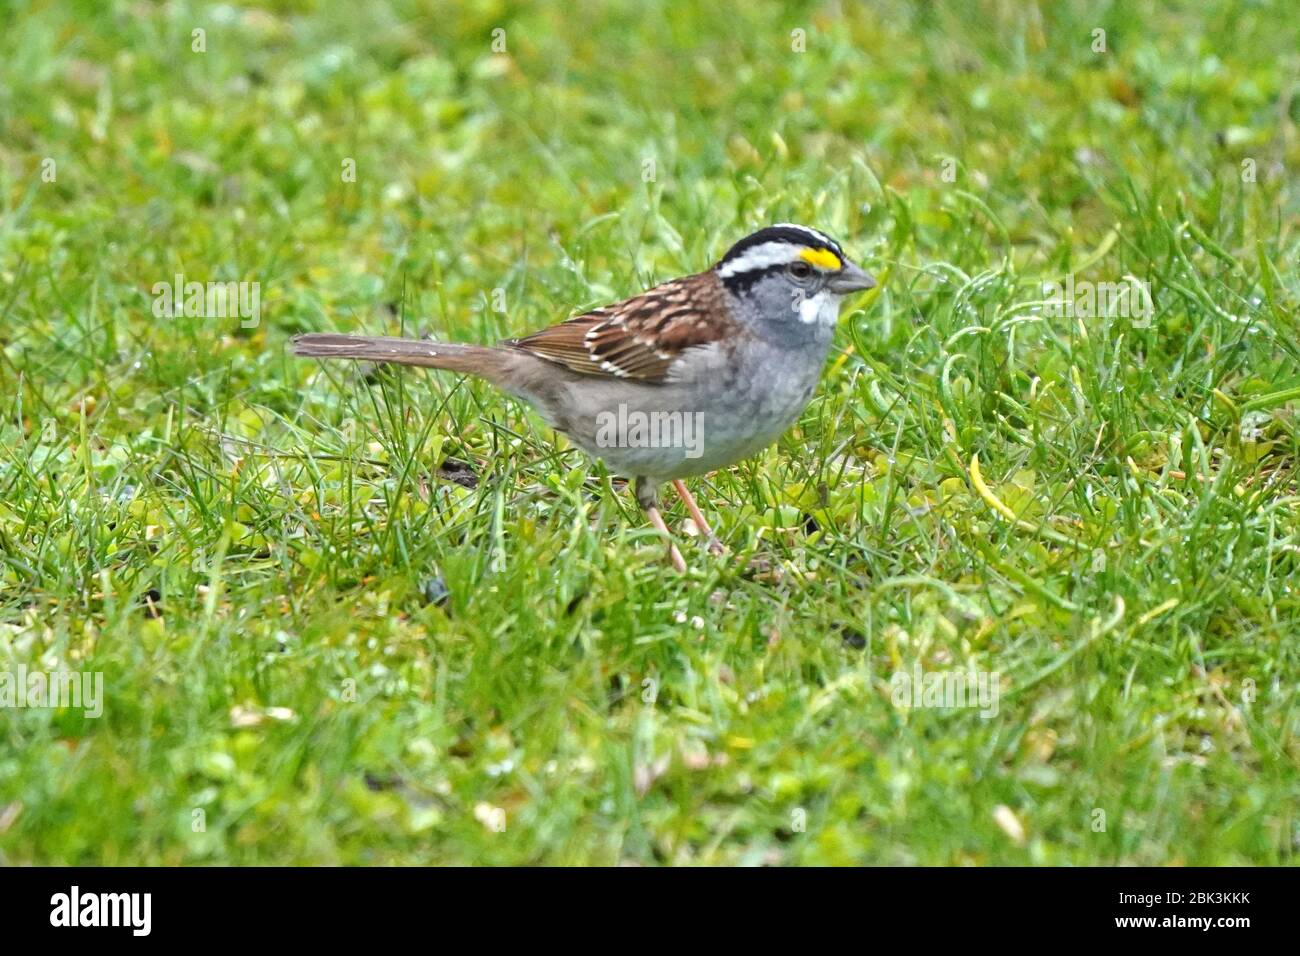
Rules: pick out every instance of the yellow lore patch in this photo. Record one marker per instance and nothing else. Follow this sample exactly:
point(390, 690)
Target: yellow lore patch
point(821, 258)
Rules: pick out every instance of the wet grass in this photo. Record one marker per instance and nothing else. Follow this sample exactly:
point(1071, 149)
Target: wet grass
point(357, 617)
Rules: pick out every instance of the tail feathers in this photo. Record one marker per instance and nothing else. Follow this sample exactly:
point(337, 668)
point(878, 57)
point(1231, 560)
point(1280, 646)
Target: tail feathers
point(472, 359)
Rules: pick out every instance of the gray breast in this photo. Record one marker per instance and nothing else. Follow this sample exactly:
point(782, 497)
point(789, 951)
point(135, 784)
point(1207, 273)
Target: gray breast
point(722, 405)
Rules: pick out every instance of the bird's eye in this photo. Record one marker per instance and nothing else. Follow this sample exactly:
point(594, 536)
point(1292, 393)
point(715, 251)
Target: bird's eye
point(800, 270)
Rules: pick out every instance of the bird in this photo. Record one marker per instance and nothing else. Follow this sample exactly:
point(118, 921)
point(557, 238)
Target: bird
point(686, 378)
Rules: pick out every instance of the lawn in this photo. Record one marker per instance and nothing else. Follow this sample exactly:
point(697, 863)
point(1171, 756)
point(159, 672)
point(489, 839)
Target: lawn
point(359, 616)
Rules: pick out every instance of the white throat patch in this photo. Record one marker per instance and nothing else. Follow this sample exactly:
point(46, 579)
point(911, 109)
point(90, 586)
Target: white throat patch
point(822, 308)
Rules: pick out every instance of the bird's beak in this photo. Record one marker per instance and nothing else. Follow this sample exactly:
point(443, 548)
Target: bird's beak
point(851, 279)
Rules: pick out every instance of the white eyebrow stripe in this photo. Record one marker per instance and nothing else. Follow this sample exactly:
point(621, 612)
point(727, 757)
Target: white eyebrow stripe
point(760, 257)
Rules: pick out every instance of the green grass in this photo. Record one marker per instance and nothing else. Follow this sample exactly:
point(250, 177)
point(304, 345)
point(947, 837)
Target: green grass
point(246, 545)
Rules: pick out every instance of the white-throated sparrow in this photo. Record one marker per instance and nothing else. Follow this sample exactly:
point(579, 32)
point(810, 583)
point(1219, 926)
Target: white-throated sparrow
point(686, 378)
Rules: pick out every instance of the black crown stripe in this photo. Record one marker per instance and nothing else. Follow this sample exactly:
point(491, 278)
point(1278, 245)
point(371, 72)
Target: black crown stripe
point(790, 234)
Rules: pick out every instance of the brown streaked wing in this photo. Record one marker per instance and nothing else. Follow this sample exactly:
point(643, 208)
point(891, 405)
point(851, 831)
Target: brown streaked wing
point(642, 336)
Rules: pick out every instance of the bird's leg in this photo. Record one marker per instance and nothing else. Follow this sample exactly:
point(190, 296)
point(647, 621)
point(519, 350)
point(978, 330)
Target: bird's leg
point(715, 546)
point(649, 501)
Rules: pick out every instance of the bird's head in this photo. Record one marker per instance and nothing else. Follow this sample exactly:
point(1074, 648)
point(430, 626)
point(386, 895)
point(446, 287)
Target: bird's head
point(791, 273)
